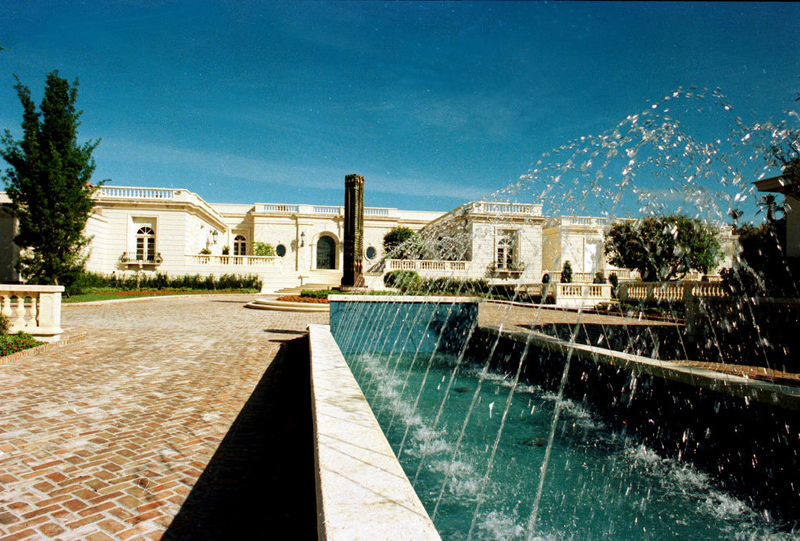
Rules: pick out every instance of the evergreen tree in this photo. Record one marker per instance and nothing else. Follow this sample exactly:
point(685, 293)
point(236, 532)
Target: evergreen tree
point(48, 183)
point(663, 248)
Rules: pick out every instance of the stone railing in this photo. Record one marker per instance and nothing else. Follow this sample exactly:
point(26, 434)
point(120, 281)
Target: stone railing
point(35, 310)
point(132, 258)
point(670, 291)
point(137, 193)
point(486, 207)
point(322, 209)
point(588, 277)
point(423, 265)
point(583, 221)
point(577, 295)
point(234, 260)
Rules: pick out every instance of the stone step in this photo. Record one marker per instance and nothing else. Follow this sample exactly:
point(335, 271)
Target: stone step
point(296, 290)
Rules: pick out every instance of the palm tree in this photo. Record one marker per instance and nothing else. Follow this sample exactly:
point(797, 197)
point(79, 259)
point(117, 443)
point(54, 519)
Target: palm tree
point(735, 214)
point(770, 203)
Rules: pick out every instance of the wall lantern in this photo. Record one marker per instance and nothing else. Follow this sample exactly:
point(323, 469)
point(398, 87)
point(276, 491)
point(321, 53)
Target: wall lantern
point(214, 236)
point(302, 239)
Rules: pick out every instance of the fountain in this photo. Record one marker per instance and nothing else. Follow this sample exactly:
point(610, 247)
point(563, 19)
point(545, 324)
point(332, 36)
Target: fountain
point(525, 428)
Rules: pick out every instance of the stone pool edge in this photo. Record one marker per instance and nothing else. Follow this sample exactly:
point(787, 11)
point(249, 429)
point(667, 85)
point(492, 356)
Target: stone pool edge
point(362, 491)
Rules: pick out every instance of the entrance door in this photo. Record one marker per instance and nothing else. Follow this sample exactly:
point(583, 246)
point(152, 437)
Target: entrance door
point(326, 253)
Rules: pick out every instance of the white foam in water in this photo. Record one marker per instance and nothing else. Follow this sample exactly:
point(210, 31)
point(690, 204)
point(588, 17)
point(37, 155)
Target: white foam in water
point(599, 486)
point(499, 526)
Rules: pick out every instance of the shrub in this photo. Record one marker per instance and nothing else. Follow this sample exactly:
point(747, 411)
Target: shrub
point(545, 278)
point(402, 280)
point(89, 282)
point(4, 324)
point(599, 278)
point(613, 279)
point(263, 249)
point(566, 273)
point(455, 286)
point(317, 294)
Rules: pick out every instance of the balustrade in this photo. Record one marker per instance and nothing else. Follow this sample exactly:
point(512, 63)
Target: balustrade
point(428, 267)
point(670, 291)
point(235, 260)
point(35, 310)
point(136, 193)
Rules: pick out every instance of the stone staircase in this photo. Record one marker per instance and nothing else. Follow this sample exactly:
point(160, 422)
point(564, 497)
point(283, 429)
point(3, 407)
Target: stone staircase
point(311, 280)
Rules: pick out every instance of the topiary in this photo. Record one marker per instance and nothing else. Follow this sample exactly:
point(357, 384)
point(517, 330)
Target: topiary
point(404, 280)
point(566, 273)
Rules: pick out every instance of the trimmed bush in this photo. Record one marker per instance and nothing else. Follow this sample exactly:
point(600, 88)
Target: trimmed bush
point(317, 294)
point(566, 273)
point(454, 286)
point(4, 324)
point(402, 280)
point(90, 281)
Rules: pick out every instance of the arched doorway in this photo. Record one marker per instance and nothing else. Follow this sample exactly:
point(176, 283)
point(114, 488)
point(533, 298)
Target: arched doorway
point(326, 253)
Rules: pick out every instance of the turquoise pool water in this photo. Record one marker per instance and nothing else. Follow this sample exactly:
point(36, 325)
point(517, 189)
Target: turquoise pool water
point(484, 483)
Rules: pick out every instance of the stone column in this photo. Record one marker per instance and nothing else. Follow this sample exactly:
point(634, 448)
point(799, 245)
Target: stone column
point(353, 230)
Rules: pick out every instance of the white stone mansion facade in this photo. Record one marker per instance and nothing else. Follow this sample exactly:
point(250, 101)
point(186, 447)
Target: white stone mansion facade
point(175, 232)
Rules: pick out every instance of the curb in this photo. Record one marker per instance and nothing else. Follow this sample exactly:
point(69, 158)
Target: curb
point(66, 339)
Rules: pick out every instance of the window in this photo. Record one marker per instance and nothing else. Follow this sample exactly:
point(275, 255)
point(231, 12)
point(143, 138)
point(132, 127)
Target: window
point(280, 250)
point(239, 245)
point(505, 250)
point(371, 252)
point(145, 244)
point(326, 253)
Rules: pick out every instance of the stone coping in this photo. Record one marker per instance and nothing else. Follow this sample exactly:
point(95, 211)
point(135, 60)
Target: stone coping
point(404, 298)
point(36, 289)
point(287, 306)
point(362, 491)
point(783, 396)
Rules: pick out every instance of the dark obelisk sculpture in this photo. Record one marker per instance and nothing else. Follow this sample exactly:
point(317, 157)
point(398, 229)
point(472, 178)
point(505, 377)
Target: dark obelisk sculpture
point(353, 230)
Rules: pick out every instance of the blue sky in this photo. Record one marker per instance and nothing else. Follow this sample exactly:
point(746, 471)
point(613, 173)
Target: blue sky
point(434, 103)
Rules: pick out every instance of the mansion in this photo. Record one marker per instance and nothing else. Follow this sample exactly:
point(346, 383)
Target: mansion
point(176, 232)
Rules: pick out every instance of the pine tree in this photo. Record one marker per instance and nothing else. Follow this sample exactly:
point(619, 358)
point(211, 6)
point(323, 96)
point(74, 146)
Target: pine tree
point(48, 183)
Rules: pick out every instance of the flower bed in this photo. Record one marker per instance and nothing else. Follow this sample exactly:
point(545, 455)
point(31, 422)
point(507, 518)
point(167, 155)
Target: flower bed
point(300, 298)
point(12, 343)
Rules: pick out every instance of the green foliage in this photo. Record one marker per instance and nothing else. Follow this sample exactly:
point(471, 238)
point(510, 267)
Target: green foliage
point(762, 267)
point(402, 280)
point(12, 343)
point(318, 293)
point(263, 249)
point(613, 279)
point(599, 278)
point(91, 282)
point(48, 182)
point(226, 250)
point(663, 248)
point(566, 273)
point(455, 286)
point(205, 251)
point(402, 243)
point(4, 324)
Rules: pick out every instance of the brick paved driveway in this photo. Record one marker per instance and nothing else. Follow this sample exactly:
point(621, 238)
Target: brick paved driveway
point(106, 438)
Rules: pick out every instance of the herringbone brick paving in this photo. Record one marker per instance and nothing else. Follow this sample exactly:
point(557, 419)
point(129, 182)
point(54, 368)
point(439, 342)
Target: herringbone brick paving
point(105, 438)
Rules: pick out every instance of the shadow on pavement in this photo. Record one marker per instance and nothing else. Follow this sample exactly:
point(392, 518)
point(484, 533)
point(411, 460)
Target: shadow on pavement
point(260, 483)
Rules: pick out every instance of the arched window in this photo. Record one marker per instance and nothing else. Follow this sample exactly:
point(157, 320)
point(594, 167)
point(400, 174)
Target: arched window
point(239, 245)
point(145, 244)
point(326, 253)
